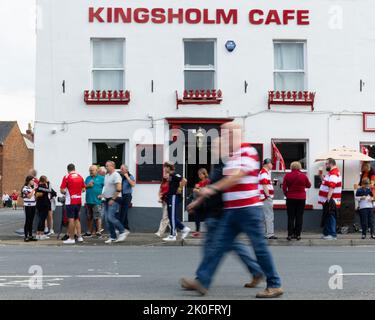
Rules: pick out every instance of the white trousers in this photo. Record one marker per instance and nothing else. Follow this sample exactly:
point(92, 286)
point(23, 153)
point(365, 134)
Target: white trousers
point(164, 222)
point(268, 218)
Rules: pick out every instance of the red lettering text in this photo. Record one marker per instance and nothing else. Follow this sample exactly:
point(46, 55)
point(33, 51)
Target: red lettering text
point(158, 16)
point(221, 16)
point(252, 18)
point(96, 14)
point(273, 17)
point(141, 15)
point(303, 17)
point(191, 12)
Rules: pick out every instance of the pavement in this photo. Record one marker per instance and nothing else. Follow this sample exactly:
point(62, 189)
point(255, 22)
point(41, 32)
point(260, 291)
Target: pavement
point(11, 220)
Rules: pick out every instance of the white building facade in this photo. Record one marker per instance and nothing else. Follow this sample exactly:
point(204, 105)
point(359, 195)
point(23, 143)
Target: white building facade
point(106, 70)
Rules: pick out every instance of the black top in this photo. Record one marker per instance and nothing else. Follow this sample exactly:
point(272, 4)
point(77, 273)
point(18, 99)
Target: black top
point(43, 202)
point(174, 183)
point(213, 206)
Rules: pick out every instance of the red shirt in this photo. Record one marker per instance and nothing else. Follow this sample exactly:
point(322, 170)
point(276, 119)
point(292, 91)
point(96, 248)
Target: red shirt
point(246, 192)
point(36, 182)
point(203, 183)
point(295, 184)
point(14, 196)
point(73, 183)
point(164, 188)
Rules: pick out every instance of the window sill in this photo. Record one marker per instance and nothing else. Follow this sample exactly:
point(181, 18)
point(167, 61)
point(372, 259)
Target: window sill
point(110, 97)
point(200, 97)
point(291, 98)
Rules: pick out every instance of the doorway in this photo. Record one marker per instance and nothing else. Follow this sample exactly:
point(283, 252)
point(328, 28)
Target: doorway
point(197, 153)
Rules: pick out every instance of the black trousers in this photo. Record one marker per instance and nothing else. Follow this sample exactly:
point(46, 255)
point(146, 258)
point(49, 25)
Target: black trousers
point(295, 209)
point(367, 220)
point(29, 220)
point(124, 209)
point(42, 216)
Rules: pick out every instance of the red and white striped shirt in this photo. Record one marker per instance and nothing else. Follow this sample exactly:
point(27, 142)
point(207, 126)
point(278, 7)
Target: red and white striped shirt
point(331, 180)
point(246, 192)
point(265, 180)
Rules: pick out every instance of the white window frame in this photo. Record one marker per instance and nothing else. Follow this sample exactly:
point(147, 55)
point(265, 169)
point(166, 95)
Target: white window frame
point(201, 68)
point(304, 71)
point(294, 140)
point(126, 149)
point(93, 69)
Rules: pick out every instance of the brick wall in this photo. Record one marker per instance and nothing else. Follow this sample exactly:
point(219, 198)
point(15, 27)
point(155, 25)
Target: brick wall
point(16, 161)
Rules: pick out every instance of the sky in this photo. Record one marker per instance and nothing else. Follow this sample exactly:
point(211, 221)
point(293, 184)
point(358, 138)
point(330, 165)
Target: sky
point(17, 61)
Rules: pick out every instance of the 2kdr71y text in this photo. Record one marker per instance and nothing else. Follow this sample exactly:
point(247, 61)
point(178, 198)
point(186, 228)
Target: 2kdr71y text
point(212, 309)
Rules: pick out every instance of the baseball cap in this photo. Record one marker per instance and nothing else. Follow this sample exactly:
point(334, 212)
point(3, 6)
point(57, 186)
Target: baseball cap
point(267, 161)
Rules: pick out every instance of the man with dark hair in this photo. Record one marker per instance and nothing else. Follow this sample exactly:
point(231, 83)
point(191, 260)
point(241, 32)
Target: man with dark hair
point(72, 186)
point(330, 199)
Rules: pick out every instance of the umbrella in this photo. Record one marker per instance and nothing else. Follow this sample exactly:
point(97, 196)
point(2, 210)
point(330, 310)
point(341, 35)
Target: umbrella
point(343, 154)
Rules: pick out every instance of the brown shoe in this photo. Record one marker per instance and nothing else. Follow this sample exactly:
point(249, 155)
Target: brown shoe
point(192, 284)
point(254, 283)
point(270, 293)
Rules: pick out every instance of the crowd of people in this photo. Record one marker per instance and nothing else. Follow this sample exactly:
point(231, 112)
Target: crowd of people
point(107, 193)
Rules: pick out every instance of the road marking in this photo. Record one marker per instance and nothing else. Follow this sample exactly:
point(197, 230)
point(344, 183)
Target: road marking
point(76, 276)
point(357, 274)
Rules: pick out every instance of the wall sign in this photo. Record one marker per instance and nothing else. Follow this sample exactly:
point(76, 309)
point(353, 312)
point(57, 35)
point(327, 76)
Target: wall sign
point(197, 16)
point(230, 45)
point(369, 121)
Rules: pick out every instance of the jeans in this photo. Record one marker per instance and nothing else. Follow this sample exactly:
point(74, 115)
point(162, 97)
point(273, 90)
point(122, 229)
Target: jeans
point(248, 220)
point(242, 250)
point(173, 203)
point(295, 209)
point(30, 214)
point(42, 216)
point(124, 209)
point(367, 220)
point(330, 226)
point(111, 217)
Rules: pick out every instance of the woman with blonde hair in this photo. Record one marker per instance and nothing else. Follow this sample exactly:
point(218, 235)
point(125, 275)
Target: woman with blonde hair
point(294, 187)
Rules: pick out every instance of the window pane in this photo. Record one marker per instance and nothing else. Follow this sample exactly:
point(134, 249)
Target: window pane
point(109, 151)
point(293, 151)
point(108, 80)
point(200, 53)
point(108, 53)
point(197, 80)
point(371, 150)
point(289, 56)
point(289, 81)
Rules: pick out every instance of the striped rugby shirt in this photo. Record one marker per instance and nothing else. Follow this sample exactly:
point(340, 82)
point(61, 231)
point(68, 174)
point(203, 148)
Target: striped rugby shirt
point(331, 180)
point(246, 192)
point(265, 180)
point(26, 190)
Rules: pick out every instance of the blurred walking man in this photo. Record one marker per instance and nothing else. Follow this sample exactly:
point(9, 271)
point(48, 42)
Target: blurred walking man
point(72, 187)
point(242, 214)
